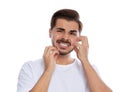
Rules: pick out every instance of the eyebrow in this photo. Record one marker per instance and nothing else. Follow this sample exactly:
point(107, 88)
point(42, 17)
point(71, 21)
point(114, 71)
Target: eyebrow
point(70, 30)
point(61, 28)
point(73, 30)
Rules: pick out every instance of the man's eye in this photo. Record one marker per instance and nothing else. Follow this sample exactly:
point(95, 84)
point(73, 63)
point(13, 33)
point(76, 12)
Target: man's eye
point(72, 33)
point(59, 30)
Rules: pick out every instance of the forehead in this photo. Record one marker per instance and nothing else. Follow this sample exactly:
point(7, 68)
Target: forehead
point(67, 24)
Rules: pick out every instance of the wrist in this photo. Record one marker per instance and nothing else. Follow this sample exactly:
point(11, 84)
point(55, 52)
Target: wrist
point(83, 60)
point(50, 69)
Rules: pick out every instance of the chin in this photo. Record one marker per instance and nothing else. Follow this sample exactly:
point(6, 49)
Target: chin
point(65, 53)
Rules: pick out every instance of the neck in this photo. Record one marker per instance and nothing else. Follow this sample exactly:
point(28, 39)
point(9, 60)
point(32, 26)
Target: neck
point(64, 59)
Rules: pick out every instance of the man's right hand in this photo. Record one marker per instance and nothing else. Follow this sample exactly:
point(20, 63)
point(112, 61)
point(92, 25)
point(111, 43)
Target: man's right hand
point(50, 56)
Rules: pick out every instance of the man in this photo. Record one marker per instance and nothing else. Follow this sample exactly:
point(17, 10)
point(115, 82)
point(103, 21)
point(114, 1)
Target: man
point(57, 71)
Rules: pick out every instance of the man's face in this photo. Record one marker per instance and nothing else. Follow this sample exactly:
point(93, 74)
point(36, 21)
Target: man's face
point(64, 35)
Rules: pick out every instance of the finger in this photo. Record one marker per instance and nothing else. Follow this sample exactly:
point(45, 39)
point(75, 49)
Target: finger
point(45, 51)
point(84, 40)
point(51, 49)
point(77, 47)
point(55, 53)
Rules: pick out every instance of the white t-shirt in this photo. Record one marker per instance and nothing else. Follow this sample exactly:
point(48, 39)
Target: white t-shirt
point(66, 78)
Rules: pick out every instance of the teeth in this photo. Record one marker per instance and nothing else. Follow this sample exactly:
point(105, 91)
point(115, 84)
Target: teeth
point(63, 44)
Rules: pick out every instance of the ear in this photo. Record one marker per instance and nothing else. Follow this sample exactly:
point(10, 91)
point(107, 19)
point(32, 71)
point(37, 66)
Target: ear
point(50, 33)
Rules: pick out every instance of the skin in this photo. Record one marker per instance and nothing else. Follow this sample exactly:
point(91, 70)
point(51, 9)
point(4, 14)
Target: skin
point(59, 53)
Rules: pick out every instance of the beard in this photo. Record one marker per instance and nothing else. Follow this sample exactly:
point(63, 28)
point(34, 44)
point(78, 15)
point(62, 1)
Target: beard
point(65, 53)
point(63, 41)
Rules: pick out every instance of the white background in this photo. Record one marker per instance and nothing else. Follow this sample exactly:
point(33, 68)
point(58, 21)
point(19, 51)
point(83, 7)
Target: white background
point(24, 26)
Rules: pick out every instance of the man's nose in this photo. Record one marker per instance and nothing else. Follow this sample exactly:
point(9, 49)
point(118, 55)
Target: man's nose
point(66, 36)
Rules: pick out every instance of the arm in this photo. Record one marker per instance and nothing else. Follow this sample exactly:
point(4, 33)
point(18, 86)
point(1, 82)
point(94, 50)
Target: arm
point(94, 82)
point(50, 55)
point(43, 83)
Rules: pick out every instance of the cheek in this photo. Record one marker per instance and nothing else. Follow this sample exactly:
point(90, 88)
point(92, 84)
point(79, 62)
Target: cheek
point(54, 37)
point(73, 41)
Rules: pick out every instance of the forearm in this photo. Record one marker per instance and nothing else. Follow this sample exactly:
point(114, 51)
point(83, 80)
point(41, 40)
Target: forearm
point(43, 83)
point(94, 81)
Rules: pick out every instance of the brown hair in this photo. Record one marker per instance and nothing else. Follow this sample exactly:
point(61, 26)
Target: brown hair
point(67, 14)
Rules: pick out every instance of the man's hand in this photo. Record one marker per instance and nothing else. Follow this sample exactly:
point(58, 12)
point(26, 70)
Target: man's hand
point(50, 57)
point(81, 48)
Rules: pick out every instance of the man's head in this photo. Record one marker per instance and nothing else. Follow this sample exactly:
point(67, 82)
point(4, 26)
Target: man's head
point(65, 29)
point(67, 14)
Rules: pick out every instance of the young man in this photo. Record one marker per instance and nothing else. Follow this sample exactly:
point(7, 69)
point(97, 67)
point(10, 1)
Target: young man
point(57, 71)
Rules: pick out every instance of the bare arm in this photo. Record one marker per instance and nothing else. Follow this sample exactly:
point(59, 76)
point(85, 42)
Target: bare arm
point(94, 81)
point(50, 55)
point(43, 83)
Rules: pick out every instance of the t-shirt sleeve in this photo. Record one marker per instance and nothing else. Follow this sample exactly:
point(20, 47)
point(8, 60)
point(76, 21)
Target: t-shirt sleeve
point(25, 80)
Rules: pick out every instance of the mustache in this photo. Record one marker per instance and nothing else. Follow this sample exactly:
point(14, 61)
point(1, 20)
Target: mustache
point(64, 41)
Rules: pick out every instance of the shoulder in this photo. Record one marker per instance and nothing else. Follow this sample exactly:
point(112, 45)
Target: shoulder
point(33, 65)
point(29, 74)
point(32, 69)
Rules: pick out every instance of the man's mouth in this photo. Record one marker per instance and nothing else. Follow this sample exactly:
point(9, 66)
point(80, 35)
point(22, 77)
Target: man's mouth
point(63, 43)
